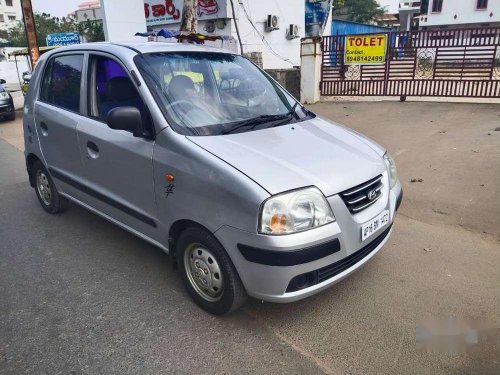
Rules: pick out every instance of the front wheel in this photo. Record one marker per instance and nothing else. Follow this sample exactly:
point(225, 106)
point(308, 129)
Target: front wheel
point(208, 273)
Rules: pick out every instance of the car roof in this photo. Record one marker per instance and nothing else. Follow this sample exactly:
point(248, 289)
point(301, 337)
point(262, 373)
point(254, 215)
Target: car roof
point(142, 47)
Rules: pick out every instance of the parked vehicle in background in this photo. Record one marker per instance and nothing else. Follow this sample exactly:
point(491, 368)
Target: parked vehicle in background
point(201, 153)
point(7, 110)
point(26, 82)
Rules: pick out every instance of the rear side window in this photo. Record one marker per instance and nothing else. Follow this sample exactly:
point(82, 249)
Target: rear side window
point(61, 82)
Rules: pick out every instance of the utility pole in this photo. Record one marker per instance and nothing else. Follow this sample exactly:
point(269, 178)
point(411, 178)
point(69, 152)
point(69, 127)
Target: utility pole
point(30, 29)
point(237, 28)
point(189, 22)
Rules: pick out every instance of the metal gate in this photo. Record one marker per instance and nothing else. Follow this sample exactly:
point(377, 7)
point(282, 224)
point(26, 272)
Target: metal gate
point(451, 63)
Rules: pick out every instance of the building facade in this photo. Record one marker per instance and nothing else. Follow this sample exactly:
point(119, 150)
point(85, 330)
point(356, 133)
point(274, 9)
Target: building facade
point(449, 14)
point(88, 11)
point(270, 30)
point(10, 13)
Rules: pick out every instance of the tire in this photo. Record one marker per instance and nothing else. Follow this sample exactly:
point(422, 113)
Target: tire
point(222, 294)
point(48, 196)
point(12, 116)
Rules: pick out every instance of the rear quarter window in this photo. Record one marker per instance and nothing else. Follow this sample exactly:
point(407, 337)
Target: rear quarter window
point(61, 82)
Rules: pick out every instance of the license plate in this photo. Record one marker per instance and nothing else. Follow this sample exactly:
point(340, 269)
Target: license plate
point(374, 225)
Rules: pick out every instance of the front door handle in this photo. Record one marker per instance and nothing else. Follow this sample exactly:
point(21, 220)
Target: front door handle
point(44, 128)
point(92, 150)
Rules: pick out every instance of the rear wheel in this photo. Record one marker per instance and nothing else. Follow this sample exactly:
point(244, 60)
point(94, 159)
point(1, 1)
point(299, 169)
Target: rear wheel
point(208, 273)
point(46, 191)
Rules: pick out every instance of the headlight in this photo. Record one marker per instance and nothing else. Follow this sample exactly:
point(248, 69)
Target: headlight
point(4, 95)
point(295, 211)
point(391, 169)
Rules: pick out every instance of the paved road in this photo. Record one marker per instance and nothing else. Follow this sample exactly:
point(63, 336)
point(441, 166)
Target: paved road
point(79, 295)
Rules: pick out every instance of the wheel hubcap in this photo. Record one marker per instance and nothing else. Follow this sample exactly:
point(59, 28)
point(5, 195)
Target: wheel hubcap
point(203, 272)
point(43, 187)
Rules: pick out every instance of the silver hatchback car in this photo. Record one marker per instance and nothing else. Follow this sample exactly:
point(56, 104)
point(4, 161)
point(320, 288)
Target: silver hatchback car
point(199, 152)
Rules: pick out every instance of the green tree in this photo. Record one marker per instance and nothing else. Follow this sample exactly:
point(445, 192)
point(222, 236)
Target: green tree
point(46, 24)
point(364, 11)
point(92, 30)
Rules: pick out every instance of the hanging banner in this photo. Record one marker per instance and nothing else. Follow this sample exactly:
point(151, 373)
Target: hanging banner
point(365, 49)
point(317, 12)
point(164, 12)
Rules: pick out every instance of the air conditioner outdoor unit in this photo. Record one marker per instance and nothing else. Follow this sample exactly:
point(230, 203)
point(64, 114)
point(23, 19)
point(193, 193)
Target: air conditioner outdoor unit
point(293, 32)
point(273, 23)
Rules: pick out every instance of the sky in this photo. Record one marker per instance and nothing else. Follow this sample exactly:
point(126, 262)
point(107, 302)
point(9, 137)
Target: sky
point(392, 5)
point(60, 8)
point(57, 8)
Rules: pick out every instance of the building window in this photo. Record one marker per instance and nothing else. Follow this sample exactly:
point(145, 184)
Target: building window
point(437, 5)
point(11, 18)
point(482, 4)
point(8, 3)
point(2, 19)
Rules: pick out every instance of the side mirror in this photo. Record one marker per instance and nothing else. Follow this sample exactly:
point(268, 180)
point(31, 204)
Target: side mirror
point(125, 118)
point(2, 81)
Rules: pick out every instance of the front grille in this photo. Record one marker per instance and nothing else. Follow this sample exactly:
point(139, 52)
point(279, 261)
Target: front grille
point(327, 272)
point(363, 196)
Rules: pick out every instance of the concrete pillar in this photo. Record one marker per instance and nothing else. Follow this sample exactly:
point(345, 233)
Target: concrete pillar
point(310, 70)
point(121, 20)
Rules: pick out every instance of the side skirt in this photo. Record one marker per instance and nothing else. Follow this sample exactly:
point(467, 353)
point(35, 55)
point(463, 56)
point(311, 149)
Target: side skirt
point(118, 223)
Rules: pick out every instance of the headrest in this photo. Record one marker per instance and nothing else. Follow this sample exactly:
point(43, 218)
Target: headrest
point(121, 88)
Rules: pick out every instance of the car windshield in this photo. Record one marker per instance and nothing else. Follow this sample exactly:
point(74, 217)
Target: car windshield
point(215, 93)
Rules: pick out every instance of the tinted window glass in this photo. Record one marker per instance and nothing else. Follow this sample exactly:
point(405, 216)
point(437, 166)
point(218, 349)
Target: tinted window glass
point(113, 88)
point(61, 83)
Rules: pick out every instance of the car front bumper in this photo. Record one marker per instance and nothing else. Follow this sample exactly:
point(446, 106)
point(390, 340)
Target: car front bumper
point(334, 249)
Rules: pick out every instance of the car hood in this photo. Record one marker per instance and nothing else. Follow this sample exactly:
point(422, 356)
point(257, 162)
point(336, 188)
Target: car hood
point(308, 153)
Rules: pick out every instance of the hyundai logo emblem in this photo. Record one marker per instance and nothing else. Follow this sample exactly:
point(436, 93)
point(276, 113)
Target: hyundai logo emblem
point(372, 194)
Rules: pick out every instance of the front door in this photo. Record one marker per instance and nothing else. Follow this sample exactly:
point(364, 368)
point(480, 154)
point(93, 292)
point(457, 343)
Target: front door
point(118, 166)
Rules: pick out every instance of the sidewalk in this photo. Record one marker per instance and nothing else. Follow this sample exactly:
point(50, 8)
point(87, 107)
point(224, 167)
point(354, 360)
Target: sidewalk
point(452, 147)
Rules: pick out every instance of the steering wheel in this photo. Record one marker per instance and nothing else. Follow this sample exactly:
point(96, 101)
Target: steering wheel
point(176, 103)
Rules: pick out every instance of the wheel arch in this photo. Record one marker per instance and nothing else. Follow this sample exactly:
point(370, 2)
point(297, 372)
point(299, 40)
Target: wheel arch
point(31, 159)
point(177, 228)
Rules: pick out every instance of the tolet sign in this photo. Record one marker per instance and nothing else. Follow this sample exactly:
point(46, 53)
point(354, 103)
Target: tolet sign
point(365, 49)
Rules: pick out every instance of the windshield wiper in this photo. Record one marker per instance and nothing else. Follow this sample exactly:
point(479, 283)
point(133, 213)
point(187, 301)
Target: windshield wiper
point(293, 109)
point(253, 122)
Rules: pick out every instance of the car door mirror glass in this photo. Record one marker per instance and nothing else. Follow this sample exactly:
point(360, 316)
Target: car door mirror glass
point(125, 118)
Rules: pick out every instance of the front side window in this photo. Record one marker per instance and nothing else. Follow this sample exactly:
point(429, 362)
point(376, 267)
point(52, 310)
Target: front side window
point(111, 87)
point(212, 93)
point(61, 82)
point(437, 5)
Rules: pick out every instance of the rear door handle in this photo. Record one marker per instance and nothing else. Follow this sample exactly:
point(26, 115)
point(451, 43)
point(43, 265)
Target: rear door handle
point(44, 128)
point(92, 150)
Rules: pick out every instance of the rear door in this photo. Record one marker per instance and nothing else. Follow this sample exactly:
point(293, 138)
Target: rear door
point(57, 115)
point(117, 165)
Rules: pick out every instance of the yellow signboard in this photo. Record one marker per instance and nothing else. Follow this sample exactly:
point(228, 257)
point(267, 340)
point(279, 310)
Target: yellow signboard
point(365, 49)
